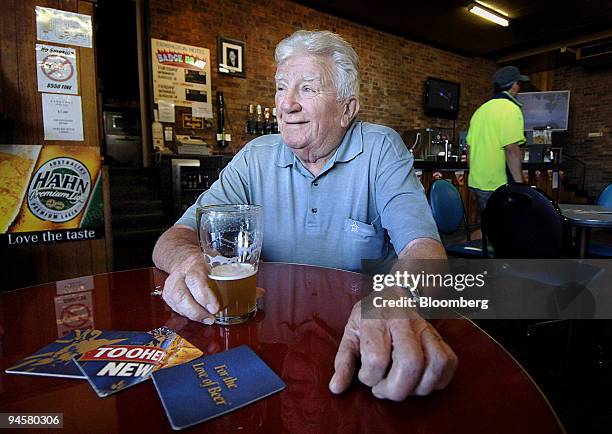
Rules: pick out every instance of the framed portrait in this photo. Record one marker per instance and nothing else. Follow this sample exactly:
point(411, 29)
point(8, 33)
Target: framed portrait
point(231, 57)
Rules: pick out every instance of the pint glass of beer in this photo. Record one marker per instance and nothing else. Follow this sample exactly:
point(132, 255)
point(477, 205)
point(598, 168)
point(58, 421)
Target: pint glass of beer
point(231, 237)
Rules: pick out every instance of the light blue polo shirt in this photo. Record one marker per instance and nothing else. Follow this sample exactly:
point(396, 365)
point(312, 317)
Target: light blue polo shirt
point(366, 203)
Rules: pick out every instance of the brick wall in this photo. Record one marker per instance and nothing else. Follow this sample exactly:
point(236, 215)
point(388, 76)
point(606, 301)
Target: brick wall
point(393, 69)
point(590, 112)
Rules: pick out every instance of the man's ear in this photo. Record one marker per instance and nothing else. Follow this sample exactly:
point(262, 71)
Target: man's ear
point(351, 108)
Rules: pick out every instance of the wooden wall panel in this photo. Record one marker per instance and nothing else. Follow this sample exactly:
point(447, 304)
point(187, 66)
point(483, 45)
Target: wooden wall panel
point(21, 102)
point(88, 86)
point(542, 80)
point(9, 73)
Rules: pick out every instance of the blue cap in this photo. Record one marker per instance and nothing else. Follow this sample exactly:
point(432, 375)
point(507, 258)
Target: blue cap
point(507, 76)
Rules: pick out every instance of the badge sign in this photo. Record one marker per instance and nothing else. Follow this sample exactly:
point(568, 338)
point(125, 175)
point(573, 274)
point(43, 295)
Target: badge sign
point(56, 69)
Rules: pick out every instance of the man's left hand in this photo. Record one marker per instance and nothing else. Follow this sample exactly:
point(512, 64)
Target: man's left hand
point(420, 360)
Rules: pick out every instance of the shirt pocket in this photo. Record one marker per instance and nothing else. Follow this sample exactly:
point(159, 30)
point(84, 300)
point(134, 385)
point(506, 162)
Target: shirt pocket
point(361, 241)
point(357, 228)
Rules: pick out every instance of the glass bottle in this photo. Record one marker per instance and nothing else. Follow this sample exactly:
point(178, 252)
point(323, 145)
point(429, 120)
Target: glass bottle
point(259, 121)
point(250, 122)
point(274, 121)
point(221, 142)
point(267, 121)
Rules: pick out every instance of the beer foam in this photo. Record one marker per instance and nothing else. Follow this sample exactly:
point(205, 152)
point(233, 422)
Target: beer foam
point(233, 271)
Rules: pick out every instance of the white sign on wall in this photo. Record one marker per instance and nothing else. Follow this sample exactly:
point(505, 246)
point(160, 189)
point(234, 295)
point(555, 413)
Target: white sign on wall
point(62, 117)
point(181, 75)
point(56, 69)
point(68, 28)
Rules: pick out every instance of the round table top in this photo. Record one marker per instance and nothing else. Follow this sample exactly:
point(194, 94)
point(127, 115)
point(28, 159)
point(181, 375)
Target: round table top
point(587, 215)
point(296, 332)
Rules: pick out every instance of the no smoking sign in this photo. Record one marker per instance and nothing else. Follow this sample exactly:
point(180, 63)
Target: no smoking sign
point(56, 67)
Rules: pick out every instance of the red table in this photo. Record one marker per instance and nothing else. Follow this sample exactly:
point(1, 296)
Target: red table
point(296, 332)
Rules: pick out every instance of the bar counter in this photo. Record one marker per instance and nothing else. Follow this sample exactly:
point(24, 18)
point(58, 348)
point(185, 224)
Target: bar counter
point(544, 175)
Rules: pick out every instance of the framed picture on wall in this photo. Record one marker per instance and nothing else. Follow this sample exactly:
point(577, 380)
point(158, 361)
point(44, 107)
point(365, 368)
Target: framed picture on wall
point(231, 57)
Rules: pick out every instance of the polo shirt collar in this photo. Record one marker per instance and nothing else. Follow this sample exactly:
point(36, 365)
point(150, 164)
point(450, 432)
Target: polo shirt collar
point(351, 145)
point(284, 155)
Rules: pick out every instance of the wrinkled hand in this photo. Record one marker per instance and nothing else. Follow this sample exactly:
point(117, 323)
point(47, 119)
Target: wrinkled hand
point(190, 294)
point(420, 360)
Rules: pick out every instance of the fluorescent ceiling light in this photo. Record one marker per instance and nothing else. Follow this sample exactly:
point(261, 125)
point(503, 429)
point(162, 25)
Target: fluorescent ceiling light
point(488, 14)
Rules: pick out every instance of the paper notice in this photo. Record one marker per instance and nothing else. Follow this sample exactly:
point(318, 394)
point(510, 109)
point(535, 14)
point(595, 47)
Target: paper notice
point(62, 117)
point(166, 111)
point(64, 27)
point(201, 110)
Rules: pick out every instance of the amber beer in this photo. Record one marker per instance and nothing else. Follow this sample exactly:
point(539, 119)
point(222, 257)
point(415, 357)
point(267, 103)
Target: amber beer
point(236, 287)
point(230, 236)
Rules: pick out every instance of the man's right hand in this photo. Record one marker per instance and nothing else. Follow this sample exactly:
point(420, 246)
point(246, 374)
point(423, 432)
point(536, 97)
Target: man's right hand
point(190, 294)
point(187, 289)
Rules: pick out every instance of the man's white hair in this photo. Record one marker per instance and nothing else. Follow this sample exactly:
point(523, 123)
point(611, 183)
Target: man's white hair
point(324, 43)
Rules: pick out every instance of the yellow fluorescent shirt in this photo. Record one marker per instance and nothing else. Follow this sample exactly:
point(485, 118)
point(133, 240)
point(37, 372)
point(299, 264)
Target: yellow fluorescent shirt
point(496, 124)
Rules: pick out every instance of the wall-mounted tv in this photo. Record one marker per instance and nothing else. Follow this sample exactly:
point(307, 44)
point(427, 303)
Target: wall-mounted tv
point(441, 98)
point(545, 109)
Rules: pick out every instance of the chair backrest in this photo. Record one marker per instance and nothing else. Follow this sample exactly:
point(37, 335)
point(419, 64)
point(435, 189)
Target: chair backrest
point(605, 197)
point(523, 222)
point(446, 206)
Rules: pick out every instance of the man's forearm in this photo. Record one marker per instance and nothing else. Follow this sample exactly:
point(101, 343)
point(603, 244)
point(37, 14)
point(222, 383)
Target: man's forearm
point(415, 256)
point(422, 255)
point(176, 250)
point(513, 160)
point(423, 248)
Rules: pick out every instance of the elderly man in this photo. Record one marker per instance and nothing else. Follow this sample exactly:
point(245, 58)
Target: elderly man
point(335, 191)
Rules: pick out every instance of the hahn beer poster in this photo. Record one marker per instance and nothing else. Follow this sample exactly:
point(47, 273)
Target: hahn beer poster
point(181, 75)
point(50, 194)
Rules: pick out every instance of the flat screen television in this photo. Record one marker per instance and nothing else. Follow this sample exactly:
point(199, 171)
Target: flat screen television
point(542, 109)
point(441, 98)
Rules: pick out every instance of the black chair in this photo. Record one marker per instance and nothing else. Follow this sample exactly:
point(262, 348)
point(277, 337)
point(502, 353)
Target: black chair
point(449, 213)
point(522, 222)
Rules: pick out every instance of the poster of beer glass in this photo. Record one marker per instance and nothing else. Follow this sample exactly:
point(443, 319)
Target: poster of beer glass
point(231, 57)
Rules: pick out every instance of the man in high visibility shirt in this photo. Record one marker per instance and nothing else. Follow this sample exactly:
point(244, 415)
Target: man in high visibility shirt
point(495, 133)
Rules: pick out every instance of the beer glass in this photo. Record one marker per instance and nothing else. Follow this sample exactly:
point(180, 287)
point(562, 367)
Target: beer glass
point(230, 237)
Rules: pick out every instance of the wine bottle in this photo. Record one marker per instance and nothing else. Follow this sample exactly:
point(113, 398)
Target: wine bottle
point(259, 122)
point(250, 122)
point(274, 121)
point(267, 121)
point(223, 138)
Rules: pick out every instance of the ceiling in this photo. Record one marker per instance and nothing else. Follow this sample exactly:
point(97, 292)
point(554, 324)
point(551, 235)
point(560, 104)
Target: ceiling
point(448, 25)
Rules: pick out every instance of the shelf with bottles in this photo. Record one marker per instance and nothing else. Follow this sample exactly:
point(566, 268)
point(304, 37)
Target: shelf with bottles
point(260, 120)
point(194, 180)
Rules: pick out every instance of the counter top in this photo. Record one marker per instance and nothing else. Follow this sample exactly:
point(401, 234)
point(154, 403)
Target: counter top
point(459, 165)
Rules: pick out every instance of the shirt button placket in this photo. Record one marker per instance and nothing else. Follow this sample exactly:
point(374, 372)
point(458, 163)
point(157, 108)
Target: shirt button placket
point(313, 202)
